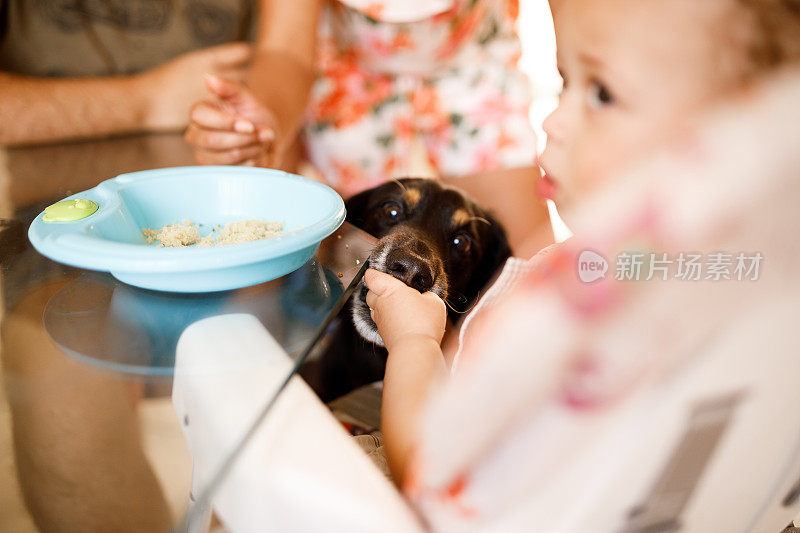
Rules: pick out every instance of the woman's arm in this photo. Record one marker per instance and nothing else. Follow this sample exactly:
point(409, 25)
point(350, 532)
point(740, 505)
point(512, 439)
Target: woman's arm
point(284, 62)
point(289, 28)
point(269, 110)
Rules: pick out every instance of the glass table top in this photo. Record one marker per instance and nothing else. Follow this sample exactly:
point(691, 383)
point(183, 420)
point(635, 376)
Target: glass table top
point(88, 362)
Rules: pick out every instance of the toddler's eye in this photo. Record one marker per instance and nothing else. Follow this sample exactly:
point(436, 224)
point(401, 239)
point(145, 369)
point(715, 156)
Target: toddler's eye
point(599, 95)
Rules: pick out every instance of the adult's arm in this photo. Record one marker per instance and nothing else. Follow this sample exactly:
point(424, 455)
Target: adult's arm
point(36, 110)
point(284, 60)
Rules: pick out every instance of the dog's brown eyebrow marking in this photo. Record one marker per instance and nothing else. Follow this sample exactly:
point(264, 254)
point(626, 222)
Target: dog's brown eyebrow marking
point(459, 218)
point(412, 197)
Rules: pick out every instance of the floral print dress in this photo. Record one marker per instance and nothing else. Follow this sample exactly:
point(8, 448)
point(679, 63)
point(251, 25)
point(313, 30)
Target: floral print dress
point(445, 71)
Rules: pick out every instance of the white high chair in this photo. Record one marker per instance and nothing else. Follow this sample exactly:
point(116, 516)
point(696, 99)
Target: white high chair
point(302, 472)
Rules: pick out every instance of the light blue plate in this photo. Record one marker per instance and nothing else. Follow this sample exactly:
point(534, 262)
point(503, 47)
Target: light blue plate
point(111, 239)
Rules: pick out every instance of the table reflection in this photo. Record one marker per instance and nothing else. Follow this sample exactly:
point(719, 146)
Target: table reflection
point(106, 323)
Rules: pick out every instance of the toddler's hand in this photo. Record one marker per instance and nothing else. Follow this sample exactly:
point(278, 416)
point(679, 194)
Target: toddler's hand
point(402, 313)
point(234, 129)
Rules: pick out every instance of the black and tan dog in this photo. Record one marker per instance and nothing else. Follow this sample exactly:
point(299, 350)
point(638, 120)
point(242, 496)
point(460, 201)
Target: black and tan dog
point(431, 237)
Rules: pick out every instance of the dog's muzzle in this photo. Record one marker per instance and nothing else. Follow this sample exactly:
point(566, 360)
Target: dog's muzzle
point(407, 257)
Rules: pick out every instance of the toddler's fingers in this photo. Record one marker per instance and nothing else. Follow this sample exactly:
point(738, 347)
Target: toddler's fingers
point(265, 135)
point(228, 157)
point(210, 115)
point(371, 299)
point(228, 90)
point(237, 74)
point(435, 298)
point(432, 296)
point(380, 282)
point(215, 140)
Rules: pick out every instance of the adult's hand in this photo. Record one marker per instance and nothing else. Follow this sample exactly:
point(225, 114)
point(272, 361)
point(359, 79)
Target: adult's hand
point(233, 129)
point(173, 87)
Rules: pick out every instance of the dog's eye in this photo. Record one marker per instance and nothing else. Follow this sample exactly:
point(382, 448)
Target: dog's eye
point(392, 211)
point(462, 243)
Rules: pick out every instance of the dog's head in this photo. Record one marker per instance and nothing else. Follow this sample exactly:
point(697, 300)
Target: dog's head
point(432, 237)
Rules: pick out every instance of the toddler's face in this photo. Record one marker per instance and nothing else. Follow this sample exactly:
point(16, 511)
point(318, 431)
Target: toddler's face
point(632, 69)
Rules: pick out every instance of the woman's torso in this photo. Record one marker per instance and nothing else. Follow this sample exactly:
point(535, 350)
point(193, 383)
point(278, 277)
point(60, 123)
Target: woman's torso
point(417, 37)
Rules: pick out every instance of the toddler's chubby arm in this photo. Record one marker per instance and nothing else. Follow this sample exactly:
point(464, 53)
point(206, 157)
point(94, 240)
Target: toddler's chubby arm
point(412, 326)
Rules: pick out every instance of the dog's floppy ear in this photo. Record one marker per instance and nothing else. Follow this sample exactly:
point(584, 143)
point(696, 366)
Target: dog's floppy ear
point(495, 252)
point(356, 208)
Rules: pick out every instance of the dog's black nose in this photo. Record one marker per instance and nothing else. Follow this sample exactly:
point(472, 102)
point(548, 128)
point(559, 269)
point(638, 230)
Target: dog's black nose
point(411, 270)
